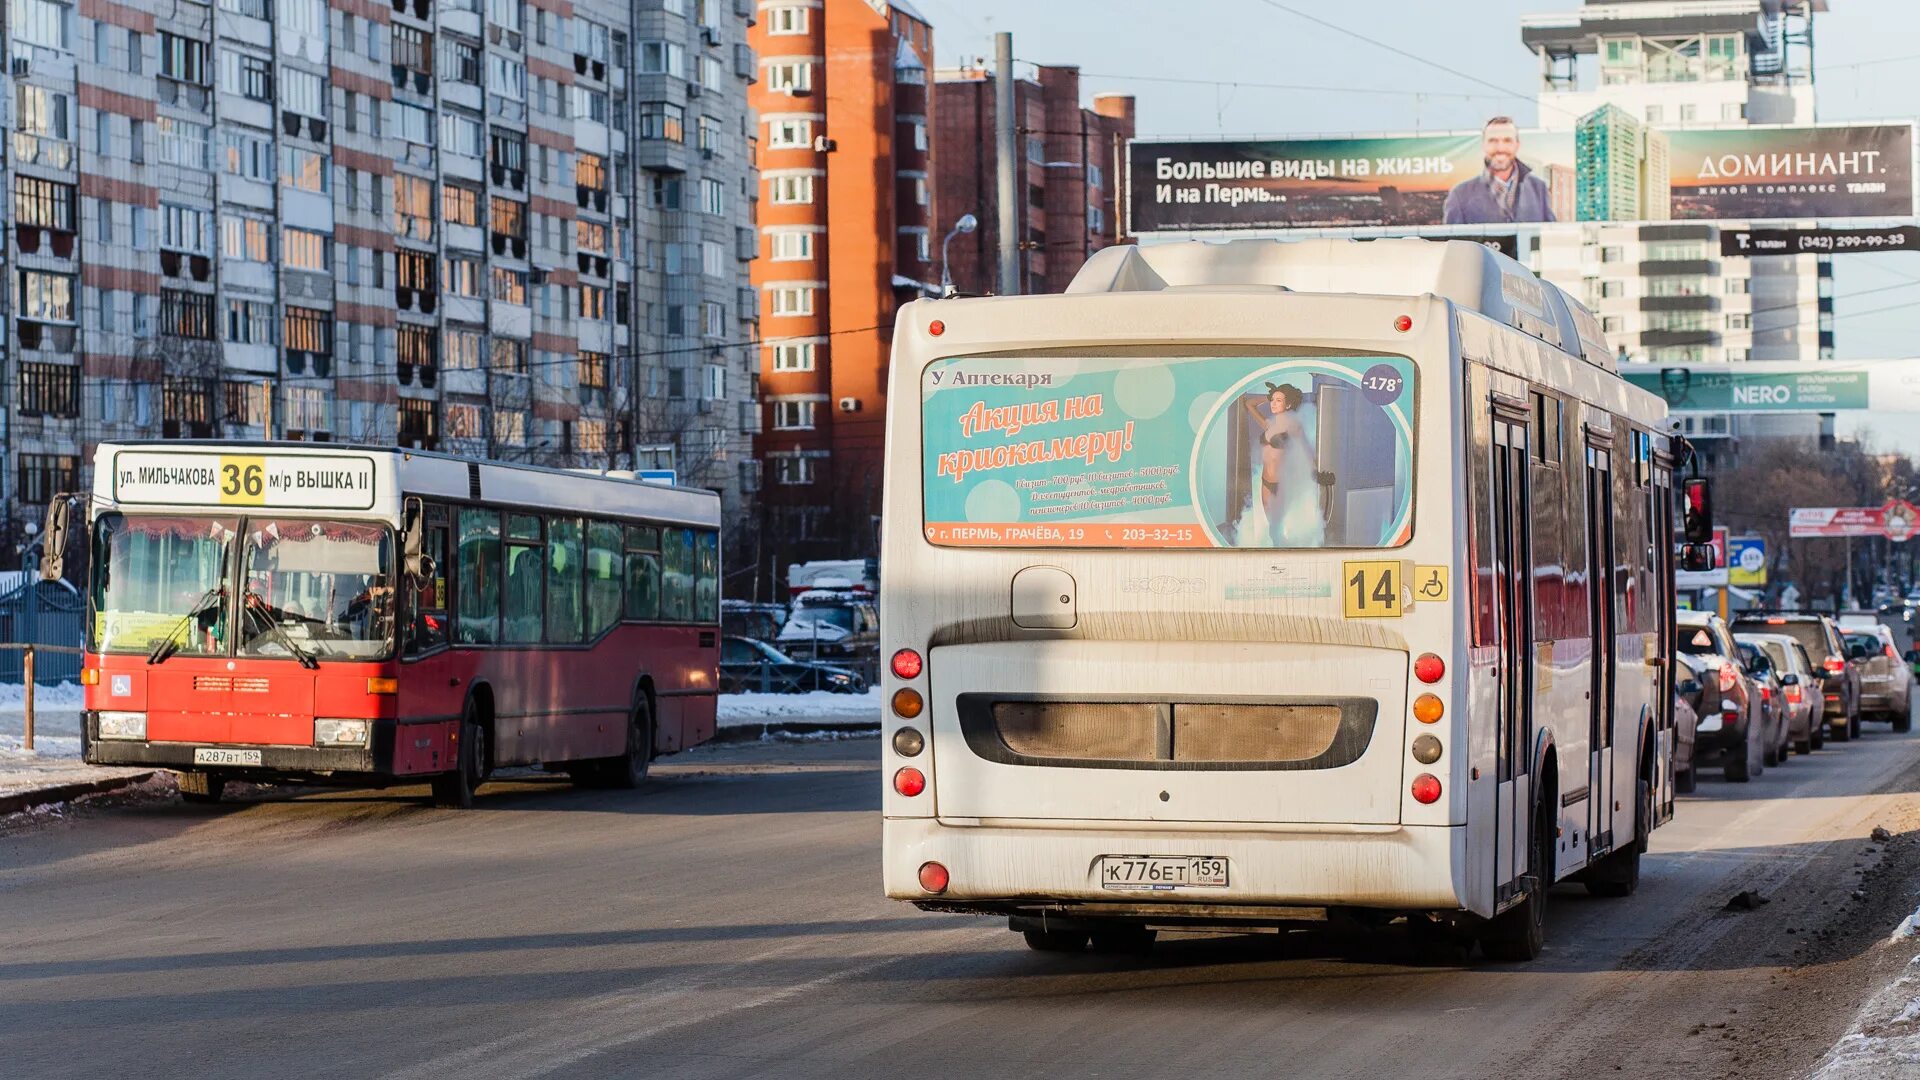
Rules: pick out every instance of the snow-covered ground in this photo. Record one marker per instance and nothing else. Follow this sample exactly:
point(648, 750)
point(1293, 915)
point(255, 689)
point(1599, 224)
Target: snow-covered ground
point(817, 705)
point(1885, 1039)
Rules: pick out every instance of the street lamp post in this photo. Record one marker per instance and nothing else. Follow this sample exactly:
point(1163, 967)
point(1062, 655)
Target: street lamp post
point(966, 224)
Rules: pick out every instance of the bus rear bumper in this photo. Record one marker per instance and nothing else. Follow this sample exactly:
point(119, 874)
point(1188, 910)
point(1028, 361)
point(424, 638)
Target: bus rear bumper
point(1006, 870)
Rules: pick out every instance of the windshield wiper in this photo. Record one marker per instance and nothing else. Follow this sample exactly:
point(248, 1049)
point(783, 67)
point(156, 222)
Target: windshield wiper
point(279, 632)
point(167, 646)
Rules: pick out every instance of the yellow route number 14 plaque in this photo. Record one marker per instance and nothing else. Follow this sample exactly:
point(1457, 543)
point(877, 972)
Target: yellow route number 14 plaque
point(1370, 590)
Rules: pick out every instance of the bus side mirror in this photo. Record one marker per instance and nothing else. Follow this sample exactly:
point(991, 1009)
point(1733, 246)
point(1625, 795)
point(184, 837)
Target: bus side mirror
point(1696, 558)
point(53, 540)
point(1697, 518)
point(414, 558)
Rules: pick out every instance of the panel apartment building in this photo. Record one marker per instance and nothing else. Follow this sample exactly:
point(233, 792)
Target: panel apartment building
point(517, 228)
point(1616, 71)
point(847, 224)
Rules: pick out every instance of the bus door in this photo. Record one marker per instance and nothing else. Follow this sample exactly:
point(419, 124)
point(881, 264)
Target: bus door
point(1660, 544)
point(1600, 609)
point(1513, 585)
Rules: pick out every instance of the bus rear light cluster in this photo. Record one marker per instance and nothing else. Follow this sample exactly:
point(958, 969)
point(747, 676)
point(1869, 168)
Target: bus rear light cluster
point(1427, 709)
point(1426, 788)
point(934, 877)
point(1426, 749)
point(909, 781)
point(1429, 669)
point(908, 742)
point(907, 664)
point(907, 703)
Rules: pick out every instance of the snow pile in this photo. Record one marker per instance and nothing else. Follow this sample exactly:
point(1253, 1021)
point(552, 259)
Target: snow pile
point(65, 696)
point(1885, 1040)
point(814, 705)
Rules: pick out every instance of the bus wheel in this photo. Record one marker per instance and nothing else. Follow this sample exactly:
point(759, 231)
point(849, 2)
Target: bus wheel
point(454, 790)
point(1124, 939)
point(1520, 932)
point(1056, 940)
point(204, 788)
point(629, 770)
point(1618, 874)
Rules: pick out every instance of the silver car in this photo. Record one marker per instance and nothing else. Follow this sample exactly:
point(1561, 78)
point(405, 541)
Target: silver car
point(1800, 686)
point(1886, 682)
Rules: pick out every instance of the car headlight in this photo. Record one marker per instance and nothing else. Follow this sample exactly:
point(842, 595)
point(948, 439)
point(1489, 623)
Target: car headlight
point(839, 677)
point(122, 725)
point(340, 732)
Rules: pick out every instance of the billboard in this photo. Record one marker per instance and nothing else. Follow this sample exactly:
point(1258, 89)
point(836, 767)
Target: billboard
point(1885, 386)
point(1896, 521)
point(1747, 561)
point(1610, 167)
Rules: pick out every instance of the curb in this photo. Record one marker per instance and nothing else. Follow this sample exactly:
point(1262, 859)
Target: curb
point(27, 800)
point(773, 729)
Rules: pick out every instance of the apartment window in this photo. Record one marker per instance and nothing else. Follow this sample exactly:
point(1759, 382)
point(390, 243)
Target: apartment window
point(790, 78)
point(303, 92)
point(589, 104)
point(42, 476)
point(1689, 112)
point(713, 319)
point(308, 330)
point(508, 149)
point(713, 196)
point(663, 120)
point(463, 349)
point(303, 169)
point(1739, 320)
point(460, 205)
point(460, 61)
point(416, 345)
point(49, 389)
point(42, 22)
point(1737, 285)
point(183, 59)
point(509, 218)
point(1655, 114)
point(184, 228)
point(46, 297)
point(793, 415)
point(413, 207)
point(590, 236)
point(662, 58)
point(1612, 324)
point(793, 356)
point(1733, 110)
point(506, 77)
point(593, 302)
point(462, 134)
point(1611, 254)
point(462, 276)
point(182, 143)
point(413, 49)
point(791, 300)
point(787, 20)
point(509, 285)
point(509, 356)
point(590, 171)
point(412, 123)
point(793, 470)
point(712, 73)
point(249, 76)
point(43, 203)
point(303, 249)
point(185, 314)
point(1612, 289)
point(244, 154)
point(789, 246)
point(713, 382)
point(505, 13)
point(789, 134)
point(792, 189)
point(250, 322)
point(592, 370)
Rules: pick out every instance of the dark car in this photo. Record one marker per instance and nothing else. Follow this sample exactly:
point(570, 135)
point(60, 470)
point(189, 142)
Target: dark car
point(1733, 729)
point(747, 665)
point(1759, 667)
point(1839, 680)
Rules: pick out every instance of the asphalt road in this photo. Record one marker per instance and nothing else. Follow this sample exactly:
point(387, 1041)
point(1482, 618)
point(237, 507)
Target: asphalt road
point(727, 921)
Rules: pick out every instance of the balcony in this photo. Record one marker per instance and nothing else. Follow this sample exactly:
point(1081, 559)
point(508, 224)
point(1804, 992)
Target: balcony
point(1697, 302)
point(1654, 339)
point(1679, 268)
point(31, 238)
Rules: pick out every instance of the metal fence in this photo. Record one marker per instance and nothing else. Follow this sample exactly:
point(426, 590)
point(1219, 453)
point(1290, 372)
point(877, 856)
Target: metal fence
point(42, 613)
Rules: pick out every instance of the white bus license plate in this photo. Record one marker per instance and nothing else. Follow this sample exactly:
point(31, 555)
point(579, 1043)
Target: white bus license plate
point(1153, 872)
point(207, 756)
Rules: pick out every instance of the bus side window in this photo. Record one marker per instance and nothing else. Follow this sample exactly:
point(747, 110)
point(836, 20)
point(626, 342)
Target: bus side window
point(706, 581)
point(676, 599)
point(478, 576)
point(564, 580)
point(426, 626)
point(523, 592)
point(643, 572)
point(603, 577)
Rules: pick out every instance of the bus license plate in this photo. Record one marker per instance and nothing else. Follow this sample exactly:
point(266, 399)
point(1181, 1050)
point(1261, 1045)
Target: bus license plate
point(1155, 872)
point(207, 756)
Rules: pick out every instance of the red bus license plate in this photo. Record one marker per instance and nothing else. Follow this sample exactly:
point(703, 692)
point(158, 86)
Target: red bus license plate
point(1154, 872)
point(211, 756)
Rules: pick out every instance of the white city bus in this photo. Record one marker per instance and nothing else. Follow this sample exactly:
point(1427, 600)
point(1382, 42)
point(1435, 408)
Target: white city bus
point(1260, 581)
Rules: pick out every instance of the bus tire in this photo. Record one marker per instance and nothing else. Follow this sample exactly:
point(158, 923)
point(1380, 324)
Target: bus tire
point(1618, 874)
point(1062, 941)
point(201, 788)
point(454, 789)
point(1124, 939)
point(629, 770)
point(1519, 933)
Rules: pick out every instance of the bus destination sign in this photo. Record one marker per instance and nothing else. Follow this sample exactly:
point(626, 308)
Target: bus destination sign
point(289, 481)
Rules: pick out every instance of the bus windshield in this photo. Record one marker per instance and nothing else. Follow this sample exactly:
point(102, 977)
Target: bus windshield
point(1251, 452)
point(155, 577)
point(322, 588)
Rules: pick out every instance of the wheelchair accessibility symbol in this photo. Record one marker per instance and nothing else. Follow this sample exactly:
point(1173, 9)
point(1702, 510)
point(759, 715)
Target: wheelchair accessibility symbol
point(1430, 583)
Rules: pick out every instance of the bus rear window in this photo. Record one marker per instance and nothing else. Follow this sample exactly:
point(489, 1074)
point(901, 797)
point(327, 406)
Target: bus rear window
point(1252, 452)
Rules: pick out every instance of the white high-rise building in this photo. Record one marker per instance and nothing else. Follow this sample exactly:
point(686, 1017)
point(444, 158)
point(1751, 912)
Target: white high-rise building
point(1662, 291)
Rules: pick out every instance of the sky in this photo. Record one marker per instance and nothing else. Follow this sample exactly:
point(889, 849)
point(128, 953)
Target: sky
point(1190, 65)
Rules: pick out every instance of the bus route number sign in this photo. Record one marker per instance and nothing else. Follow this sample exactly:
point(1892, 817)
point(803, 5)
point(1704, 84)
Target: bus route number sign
point(1371, 590)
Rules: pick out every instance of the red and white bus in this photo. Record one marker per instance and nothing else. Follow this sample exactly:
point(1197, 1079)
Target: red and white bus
point(376, 616)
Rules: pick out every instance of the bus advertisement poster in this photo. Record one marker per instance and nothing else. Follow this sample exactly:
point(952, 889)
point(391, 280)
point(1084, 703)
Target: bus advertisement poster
point(1609, 167)
point(1264, 452)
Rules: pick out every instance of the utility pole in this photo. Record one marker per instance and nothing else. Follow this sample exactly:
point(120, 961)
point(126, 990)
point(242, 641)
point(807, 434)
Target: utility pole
point(1007, 158)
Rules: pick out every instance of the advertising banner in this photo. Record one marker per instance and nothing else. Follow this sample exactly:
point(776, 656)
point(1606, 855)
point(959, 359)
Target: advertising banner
point(1750, 242)
point(1747, 561)
point(1610, 167)
point(1193, 452)
point(1798, 388)
point(1896, 521)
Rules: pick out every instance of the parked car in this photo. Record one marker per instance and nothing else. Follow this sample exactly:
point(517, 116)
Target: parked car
point(1839, 680)
point(1758, 666)
point(742, 618)
point(747, 664)
point(1885, 682)
point(1799, 682)
point(1688, 687)
point(1732, 730)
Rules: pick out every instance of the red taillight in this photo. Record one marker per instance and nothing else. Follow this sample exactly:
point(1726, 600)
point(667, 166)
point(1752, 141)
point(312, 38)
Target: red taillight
point(1403, 324)
point(1776, 622)
point(1793, 694)
point(1888, 651)
point(1731, 716)
point(1429, 668)
point(1766, 694)
point(933, 877)
point(909, 782)
point(1426, 788)
point(1728, 678)
point(936, 328)
point(906, 664)
point(1834, 665)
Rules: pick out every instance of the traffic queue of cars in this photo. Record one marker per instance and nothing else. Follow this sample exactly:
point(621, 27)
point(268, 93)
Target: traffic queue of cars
point(1755, 692)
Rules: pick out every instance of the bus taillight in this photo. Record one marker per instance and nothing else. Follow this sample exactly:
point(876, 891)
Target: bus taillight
point(1427, 709)
point(908, 742)
point(909, 782)
point(1429, 668)
point(907, 703)
point(906, 664)
point(933, 877)
point(1426, 788)
point(1403, 324)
